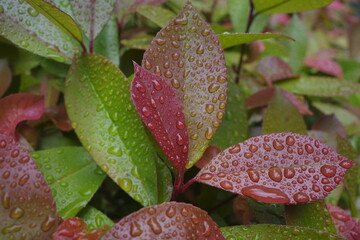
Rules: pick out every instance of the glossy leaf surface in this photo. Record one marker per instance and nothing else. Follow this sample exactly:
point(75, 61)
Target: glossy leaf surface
point(58, 17)
point(76, 229)
point(346, 226)
point(327, 66)
point(268, 231)
point(19, 107)
point(162, 113)
point(277, 168)
point(34, 32)
point(92, 15)
point(159, 15)
point(72, 175)
point(288, 6)
point(234, 127)
point(232, 39)
point(188, 54)
point(27, 207)
point(273, 68)
point(98, 102)
point(171, 220)
point(94, 218)
point(320, 86)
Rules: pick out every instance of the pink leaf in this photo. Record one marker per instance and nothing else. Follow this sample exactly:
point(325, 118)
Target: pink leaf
point(18, 107)
point(330, 124)
point(346, 226)
point(162, 113)
point(274, 69)
point(170, 220)
point(28, 209)
point(277, 168)
point(303, 109)
point(76, 229)
point(59, 117)
point(327, 66)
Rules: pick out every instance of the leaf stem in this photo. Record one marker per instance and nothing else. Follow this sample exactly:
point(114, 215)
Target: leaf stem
point(188, 183)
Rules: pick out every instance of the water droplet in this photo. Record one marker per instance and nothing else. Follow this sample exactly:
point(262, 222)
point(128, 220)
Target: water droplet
point(328, 171)
point(11, 229)
point(200, 49)
point(265, 194)
point(235, 149)
point(277, 145)
point(171, 211)
point(180, 125)
point(253, 148)
point(213, 87)
point(221, 79)
point(253, 175)
point(154, 225)
point(146, 111)
point(115, 151)
point(316, 188)
point(205, 32)
point(289, 172)
point(157, 85)
point(325, 151)
point(179, 139)
point(301, 197)
point(15, 153)
point(2, 143)
point(209, 108)
point(347, 164)
point(160, 41)
point(48, 223)
point(140, 87)
point(226, 185)
point(32, 12)
point(147, 65)
point(209, 133)
point(24, 179)
point(168, 74)
point(17, 212)
point(175, 56)
point(6, 175)
point(309, 148)
point(275, 174)
point(175, 83)
point(125, 184)
point(206, 176)
point(181, 20)
point(290, 140)
point(135, 229)
point(6, 200)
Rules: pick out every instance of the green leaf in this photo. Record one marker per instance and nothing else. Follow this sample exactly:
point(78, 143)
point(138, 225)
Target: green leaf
point(25, 27)
point(234, 128)
point(320, 86)
point(232, 39)
point(238, 14)
point(107, 43)
point(157, 14)
point(349, 120)
point(350, 69)
point(94, 218)
point(58, 17)
point(297, 50)
point(92, 15)
point(138, 42)
point(97, 97)
point(288, 6)
point(283, 116)
point(5, 76)
point(25, 61)
point(72, 175)
point(268, 231)
point(189, 57)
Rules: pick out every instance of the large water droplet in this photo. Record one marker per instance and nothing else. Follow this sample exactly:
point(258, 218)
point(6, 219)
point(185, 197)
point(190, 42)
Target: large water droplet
point(115, 151)
point(135, 229)
point(154, 225)
point(328, 171)
point(16, 212)
point(226, 185)
point(209, 108)
point(253, 175)
point(301, 197)
point(213, 87)
point(125, 184)
point(275, 174)
point(265, 194)
point(48, 223)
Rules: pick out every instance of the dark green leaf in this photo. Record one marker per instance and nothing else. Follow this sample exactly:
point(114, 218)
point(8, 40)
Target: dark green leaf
point(5, 76)
point(72, 175)
point(232, 39)
point(97, 97)
point(94, 218)
point(266, 231)
point(288, 6)
point(238, 14)
point(157, 14)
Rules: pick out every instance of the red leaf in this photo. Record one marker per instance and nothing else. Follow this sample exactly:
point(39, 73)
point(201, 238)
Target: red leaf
point(303, 109)
point(76, 229)
point(18, 107)
point(273, 69)
point(59, 117)
point(209, 154)
point(277, 168)
point(170, 220)
point(327, 66)
point(330, 124)
point(162, 113)
point(28, 210)
point(346, 226)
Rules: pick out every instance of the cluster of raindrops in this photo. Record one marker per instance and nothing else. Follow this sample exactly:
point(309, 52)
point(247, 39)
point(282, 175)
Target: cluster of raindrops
point(169, 220)
point(27, 207)
point(75, 228)
point(188, 54)
point(162, 113)
point(277, 168)
point(118, 141)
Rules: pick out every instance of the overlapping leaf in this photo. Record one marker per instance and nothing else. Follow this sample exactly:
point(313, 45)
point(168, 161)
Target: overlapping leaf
point(92, 15)
point(72, 175)
point(27, 207)
point(162, 113)
point(98, 103)
point(169, 220)
point(273, 68)
point(188, 54)
point(29, 29)
point(18, 107)
point(269, 231)
point(346, 226)
point(159, 15)
point(94, 218)
point(277, 168)
point(232, 39)
point(327, 66)
point(288, 6)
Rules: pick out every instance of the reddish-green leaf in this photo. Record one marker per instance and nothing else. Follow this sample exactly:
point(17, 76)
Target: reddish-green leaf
point(169, 220)
point(92, 15)
point(27, 209)
point(208, 155)
point(327, 66)
point(277, 168)
point(346, 226)
point(18, 107)
point(162, 113)
point(59, 117)
point(187, 53)
point(76, 229)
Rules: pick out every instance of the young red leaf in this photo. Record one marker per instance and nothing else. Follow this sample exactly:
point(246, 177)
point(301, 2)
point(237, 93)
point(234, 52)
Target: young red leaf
point(301, 107)
point(277, 168)
point(188, 54)
point(18, 107)
point(76, 229)
point(27, 209)
point(346, 226)
point(170, 220)
point(209, 154)
point(59, 117)
point(327, 66)
point(162, 113)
